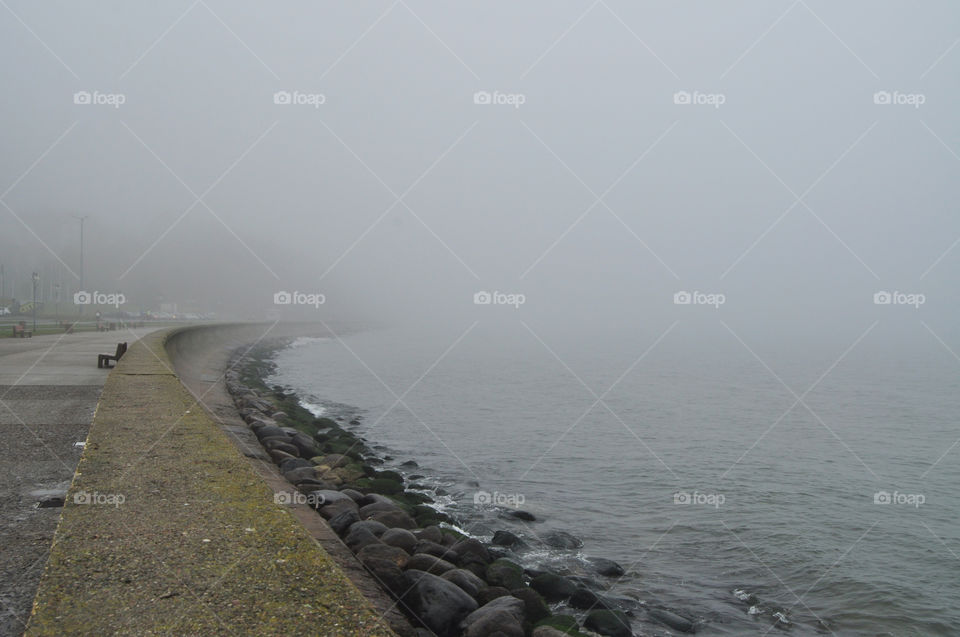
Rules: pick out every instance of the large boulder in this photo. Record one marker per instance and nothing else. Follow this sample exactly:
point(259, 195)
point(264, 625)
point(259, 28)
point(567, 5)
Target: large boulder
point(341, 522)
point(358, 537)
point(612, 623)
point(505, 538)
point(553, 587)
point(383, 552)
point(562, 540)
point(470, 583)
point(504, 573)
point(585, 599)
point(330, 511)
point(429, 564)
point(401, 538)
point(471, 550)
point(437, 550)
point(502, 616)
point(377, 507)
point(397, 519)
point(436, 603)
point(388, 574)
point(490, 593)
point(535, 608)
point(327, 497)
point(606, 567)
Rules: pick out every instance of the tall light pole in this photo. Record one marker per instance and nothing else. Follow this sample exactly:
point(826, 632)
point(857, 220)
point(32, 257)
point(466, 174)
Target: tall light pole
point(82, 219)
point(36, 279)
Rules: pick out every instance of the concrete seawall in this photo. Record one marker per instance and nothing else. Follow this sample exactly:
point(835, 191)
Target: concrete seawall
point(169, 529)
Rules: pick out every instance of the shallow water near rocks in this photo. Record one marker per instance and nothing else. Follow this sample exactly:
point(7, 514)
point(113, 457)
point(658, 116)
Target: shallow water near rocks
point(724, 504)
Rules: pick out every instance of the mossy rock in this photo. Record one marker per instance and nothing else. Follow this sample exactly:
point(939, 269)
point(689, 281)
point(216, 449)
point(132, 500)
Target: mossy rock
point(323, 423)
point(385, 487)
point(413, 499)
point(564, 623)
point(503, 572)
point(458, 535)
point(390, 475)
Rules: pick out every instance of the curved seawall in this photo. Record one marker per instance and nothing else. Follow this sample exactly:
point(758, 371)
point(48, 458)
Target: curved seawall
point(169, 529)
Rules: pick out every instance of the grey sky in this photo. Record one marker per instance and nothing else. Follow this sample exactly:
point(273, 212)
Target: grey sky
point(494, 197)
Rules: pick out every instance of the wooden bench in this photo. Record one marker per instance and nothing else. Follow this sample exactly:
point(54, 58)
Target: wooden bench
point(103, 360)
point(20, 330)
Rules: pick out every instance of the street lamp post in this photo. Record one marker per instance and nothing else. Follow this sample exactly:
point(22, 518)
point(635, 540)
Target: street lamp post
point(82, 219)
point(36, 279)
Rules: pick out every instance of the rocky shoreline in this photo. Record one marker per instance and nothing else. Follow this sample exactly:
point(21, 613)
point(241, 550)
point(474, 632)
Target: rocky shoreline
point(447, 583)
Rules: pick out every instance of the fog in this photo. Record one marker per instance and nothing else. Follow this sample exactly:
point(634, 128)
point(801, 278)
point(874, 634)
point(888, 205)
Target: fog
point(814, 166)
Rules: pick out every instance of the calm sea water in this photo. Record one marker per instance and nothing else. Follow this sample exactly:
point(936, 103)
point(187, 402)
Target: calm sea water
point(696, 467)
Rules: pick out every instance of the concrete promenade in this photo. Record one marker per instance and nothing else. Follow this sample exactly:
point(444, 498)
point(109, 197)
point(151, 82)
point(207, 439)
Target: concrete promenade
point(49, 387)
point(167, 529)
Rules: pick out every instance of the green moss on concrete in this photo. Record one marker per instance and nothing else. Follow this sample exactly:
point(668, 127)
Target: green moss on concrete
point(197, 545)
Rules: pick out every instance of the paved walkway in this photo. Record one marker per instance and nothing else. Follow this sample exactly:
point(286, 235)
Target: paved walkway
point(49, 387)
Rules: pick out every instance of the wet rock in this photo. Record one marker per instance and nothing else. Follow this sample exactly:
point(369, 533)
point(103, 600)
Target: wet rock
point(553, 587)
point(505, 538)
point(438, 604)
point(535, 608)
point(341, 522)
point(309, 486)
point(672, 620)
point(335, 460)
point(562, 540)
point(401, 538)
point(608, 622)
point(397, 519)
point(383, 552)
point(547, 631)
point(517, 514)
point(471, 550)
point(502, 616)
point(429, 564)
point(469, 582)
point(352, 494)
point(605, 567)
point(504, 573)
point(585, 599)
